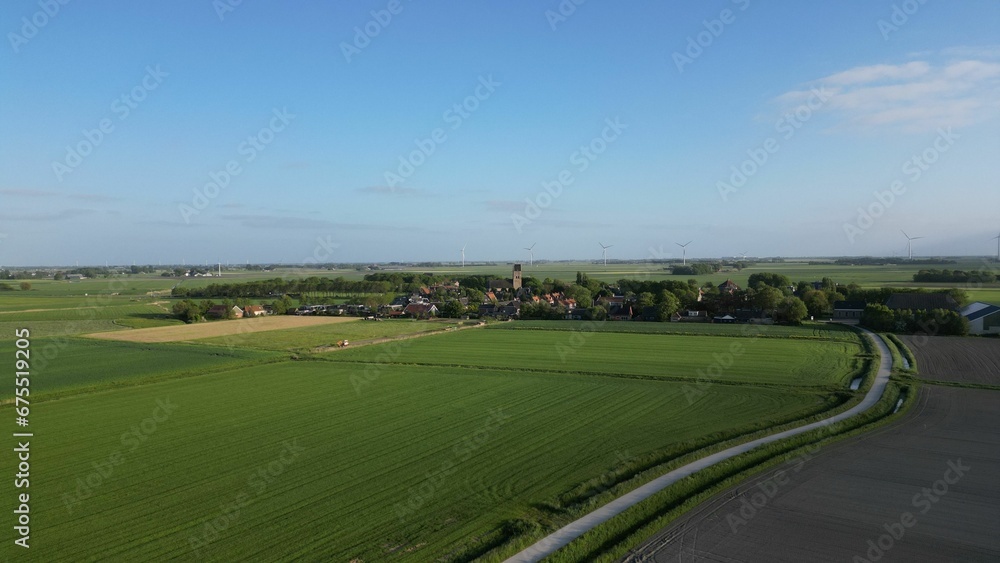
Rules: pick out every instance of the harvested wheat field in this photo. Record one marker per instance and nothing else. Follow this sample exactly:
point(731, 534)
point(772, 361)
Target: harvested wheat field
point(218, 328)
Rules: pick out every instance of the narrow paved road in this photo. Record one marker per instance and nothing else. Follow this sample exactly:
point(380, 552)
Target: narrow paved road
point(563, 536)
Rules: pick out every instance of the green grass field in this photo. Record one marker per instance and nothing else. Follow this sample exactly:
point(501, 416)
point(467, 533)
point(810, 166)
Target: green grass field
point(72, 364)
point(758, 361)
point(110, 311)
point(296, 339)
point(56, 328)
point(415, 465)
point(808, 330)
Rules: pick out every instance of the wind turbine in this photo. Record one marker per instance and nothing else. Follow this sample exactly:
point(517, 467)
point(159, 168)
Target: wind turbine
point(605, 251)
point(743, 255)
point(997, 238)
point(684, 250)
point(463, 254)
point(531, 254)
point(909, 239)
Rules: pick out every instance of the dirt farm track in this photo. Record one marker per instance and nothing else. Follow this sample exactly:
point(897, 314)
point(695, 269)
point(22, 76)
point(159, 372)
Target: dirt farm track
point(217, 328)
point(956, 360)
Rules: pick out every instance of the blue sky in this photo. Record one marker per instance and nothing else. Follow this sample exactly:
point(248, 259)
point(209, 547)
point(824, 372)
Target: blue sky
point(404, 136)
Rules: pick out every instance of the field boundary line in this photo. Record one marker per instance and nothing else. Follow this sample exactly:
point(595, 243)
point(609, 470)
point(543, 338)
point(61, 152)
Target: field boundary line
point(612, 375)
point(563, 536)
point(385, 339)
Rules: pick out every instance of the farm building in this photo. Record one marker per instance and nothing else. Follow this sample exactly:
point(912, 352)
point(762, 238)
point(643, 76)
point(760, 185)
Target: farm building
point(848, 310)
point(921, 302)
point(983, 318)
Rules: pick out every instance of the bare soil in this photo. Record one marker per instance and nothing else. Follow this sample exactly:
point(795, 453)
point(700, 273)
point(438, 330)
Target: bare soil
point(955, 359)
point(827, 505)
point(218, 328)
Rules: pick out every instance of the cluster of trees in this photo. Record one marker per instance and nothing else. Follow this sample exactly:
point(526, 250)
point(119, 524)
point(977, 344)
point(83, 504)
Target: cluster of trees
point(25, 286)
point(191, 311)
point(696, 269)
point(874, 261)
point(936, 322)
point(954, 276)
point(279, 286)
point(854, 292)
point(17, 275)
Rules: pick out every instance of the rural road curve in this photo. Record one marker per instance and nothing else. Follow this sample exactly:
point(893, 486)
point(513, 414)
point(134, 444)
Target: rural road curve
point(563, 536)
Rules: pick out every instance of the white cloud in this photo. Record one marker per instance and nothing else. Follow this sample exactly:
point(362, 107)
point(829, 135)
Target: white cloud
point(866, 74)
point(911, 97)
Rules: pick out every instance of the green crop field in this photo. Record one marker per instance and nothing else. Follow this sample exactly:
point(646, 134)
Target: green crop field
point(325, 335)
point(289, 460)
point(758, 361)
point(61, 364)
point(109, 311)
point(56, 328)
point(29, 300)
point(807, 330)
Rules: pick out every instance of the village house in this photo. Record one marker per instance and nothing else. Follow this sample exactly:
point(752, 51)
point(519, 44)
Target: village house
point(728, 286)
point(254, 311)
point(420, 310)
point(849, 311)
point(221, 312)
